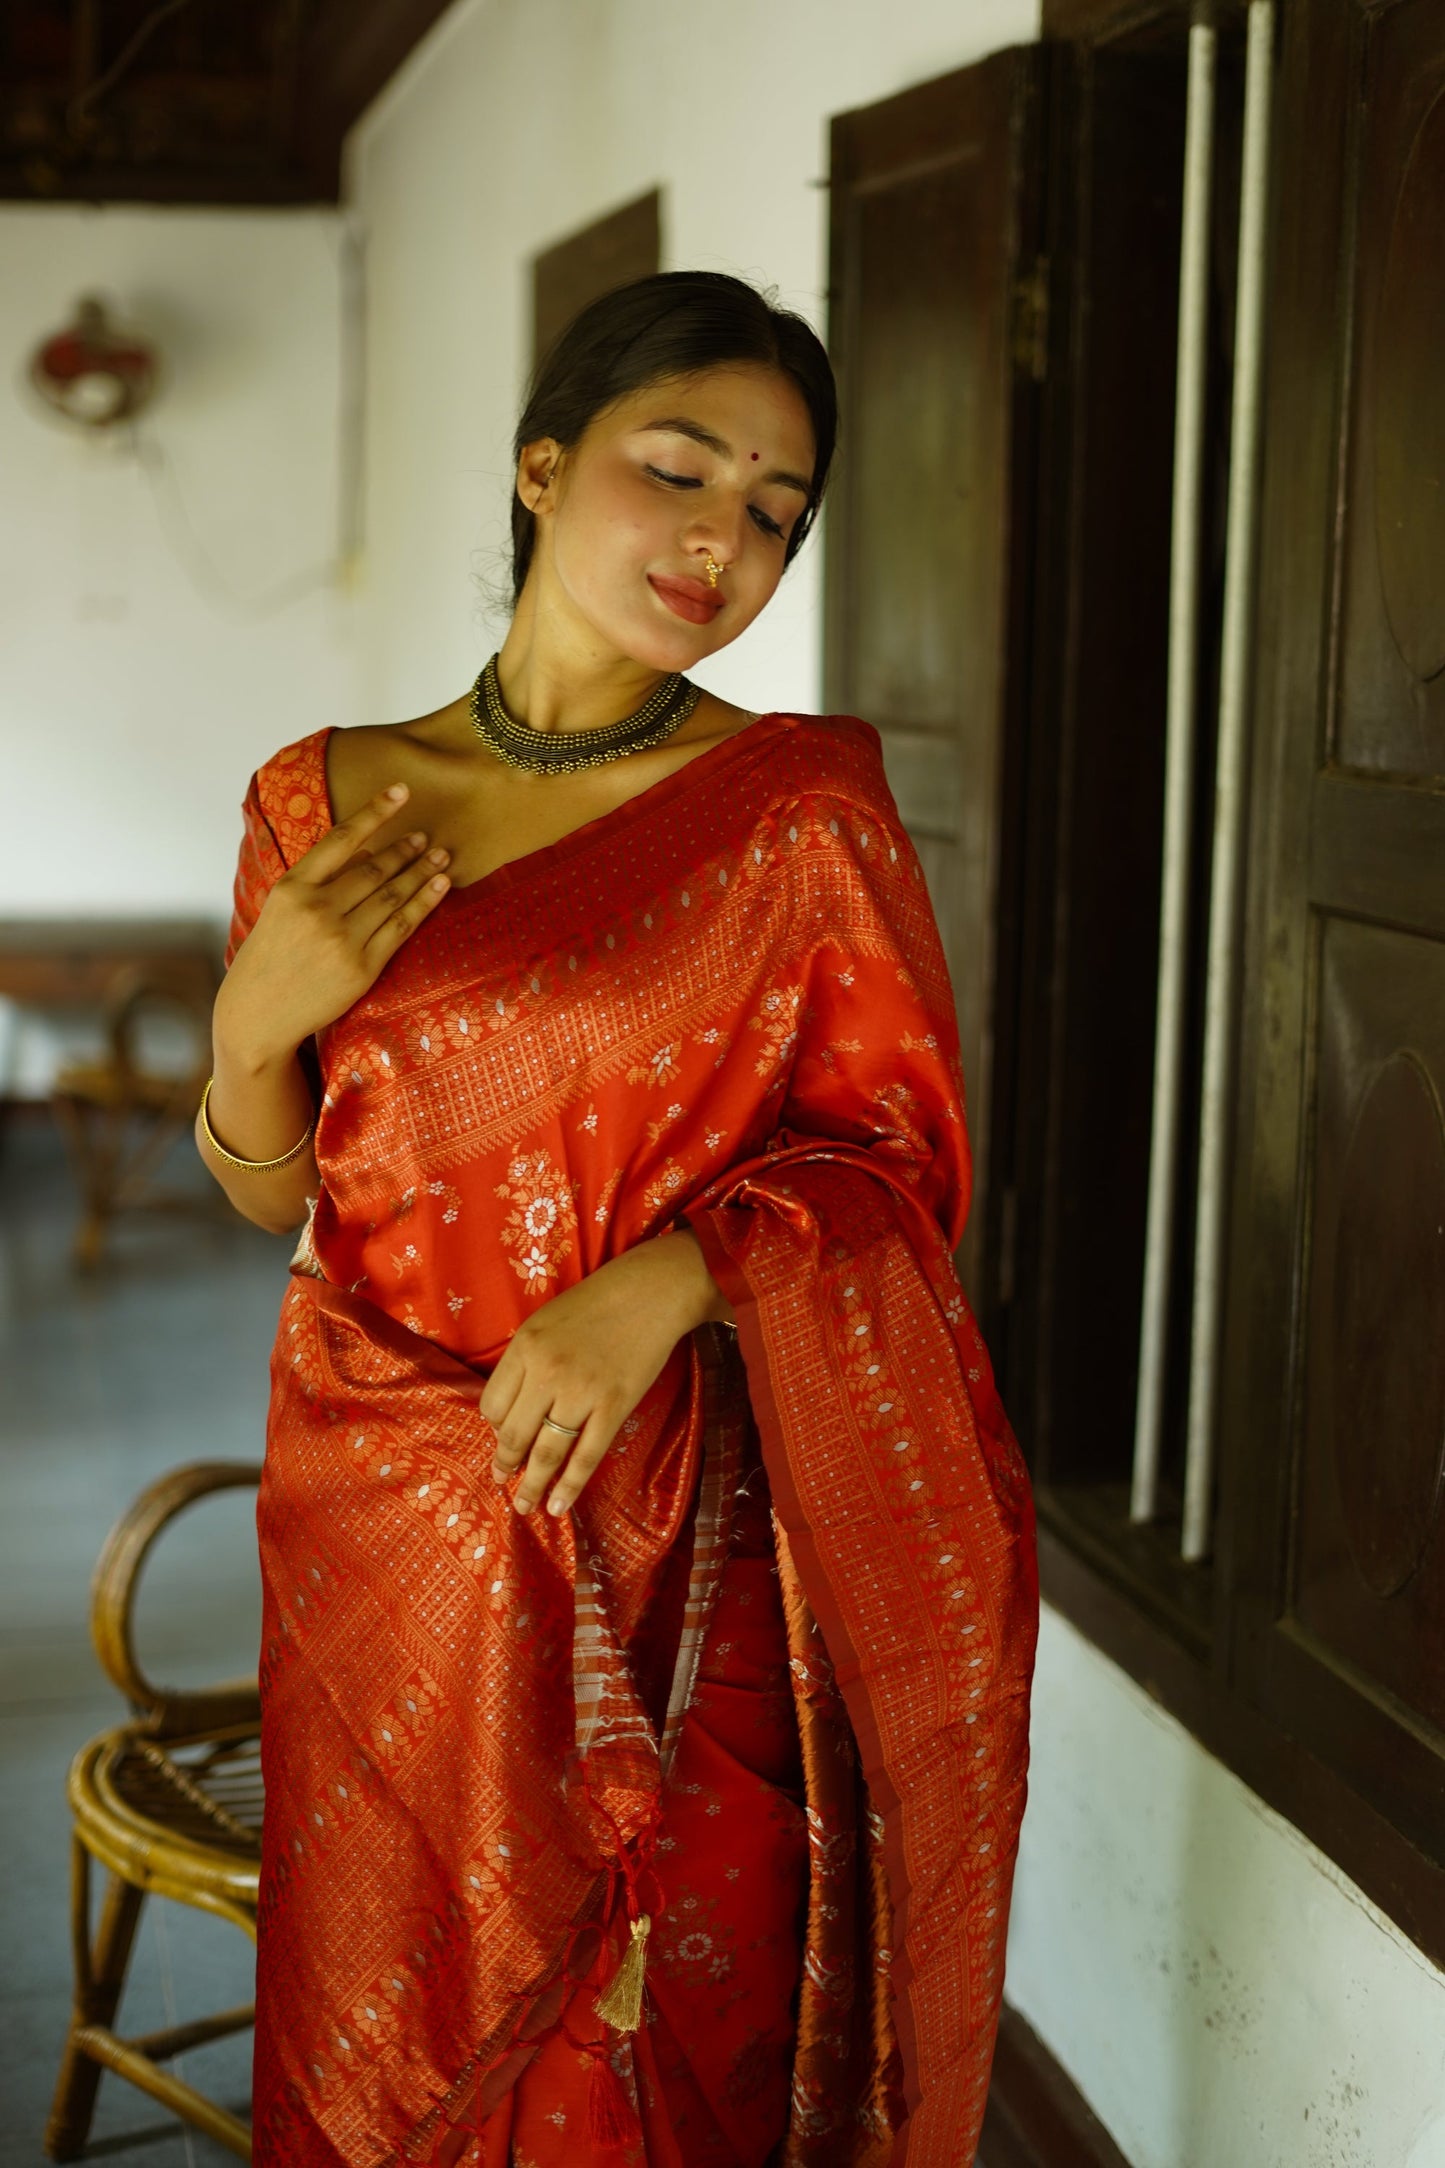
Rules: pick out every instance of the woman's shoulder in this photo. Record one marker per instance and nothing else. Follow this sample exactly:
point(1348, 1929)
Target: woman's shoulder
point(834, 756)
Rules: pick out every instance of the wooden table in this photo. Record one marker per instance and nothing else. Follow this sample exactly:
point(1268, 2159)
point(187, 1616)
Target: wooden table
point(73, 963)
point(118, 1119)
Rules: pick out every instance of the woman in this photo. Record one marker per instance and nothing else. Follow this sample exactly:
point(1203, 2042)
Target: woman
point(648, 1564)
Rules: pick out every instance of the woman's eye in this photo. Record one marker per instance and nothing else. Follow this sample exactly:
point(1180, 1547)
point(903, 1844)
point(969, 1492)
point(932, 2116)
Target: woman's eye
point(693, 481)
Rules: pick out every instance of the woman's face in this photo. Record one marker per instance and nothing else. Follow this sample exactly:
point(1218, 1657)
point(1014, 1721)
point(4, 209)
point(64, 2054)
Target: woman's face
point(714, 464)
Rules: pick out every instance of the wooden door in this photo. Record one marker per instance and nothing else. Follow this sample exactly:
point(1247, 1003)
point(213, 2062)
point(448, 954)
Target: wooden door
point(611, 252)
point(1337, 1338)
point(937, 329)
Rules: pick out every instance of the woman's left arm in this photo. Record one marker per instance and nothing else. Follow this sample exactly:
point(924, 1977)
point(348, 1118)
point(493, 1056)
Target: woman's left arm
point(586, 1358)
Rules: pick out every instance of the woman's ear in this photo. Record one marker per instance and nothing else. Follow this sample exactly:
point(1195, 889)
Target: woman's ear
point(535, 469)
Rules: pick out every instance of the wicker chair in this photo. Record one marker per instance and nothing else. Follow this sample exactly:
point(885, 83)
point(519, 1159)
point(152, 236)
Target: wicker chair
point(168, 1803)
point(120, 1117)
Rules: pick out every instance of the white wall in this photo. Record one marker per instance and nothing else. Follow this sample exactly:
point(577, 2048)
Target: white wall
point(1222, 1994)
point(155, 638)
point(519, 121)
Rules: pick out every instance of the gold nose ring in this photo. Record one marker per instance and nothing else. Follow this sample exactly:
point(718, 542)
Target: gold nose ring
point(714, 572)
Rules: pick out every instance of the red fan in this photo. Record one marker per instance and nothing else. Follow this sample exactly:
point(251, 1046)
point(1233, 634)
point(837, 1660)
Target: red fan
point(93, 373)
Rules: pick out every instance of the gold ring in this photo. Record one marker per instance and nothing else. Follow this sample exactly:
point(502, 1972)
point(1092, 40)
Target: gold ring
point(565, 1428)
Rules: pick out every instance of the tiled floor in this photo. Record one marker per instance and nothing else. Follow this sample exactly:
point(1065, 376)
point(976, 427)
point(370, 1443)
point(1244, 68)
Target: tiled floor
point(158, 1359)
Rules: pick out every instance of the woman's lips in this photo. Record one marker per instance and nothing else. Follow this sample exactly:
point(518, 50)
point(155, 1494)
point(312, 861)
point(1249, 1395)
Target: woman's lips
point(687, 598)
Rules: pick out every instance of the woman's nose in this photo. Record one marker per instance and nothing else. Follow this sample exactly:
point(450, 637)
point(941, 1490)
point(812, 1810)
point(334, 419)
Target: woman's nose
point(717, 533)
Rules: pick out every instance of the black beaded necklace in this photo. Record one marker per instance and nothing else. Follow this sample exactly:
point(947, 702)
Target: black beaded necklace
point(558, 752)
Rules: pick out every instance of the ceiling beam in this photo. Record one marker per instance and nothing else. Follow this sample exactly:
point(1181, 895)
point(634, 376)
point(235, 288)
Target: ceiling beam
point(349, 55)
point(328, 60)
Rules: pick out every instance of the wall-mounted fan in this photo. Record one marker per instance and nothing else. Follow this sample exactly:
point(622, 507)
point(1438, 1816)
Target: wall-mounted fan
point(93, 372)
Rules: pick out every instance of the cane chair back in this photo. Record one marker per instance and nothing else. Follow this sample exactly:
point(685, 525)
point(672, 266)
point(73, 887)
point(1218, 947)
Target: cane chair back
point(169, 1804)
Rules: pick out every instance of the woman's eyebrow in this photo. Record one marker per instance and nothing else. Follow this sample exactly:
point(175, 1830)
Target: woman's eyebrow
point(680, 426)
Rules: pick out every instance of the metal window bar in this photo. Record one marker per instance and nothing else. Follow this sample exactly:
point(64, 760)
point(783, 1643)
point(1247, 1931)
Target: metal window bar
point(1189, 403)
point(1229, 795)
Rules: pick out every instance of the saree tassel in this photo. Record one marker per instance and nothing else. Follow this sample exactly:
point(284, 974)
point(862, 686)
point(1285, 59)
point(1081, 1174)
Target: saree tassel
point(610, 2116)
point(620, 2002)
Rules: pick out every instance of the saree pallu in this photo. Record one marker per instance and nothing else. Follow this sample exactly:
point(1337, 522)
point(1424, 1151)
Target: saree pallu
point(488, 1741)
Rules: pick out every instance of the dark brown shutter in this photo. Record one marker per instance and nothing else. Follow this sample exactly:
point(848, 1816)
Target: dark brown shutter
point(1337, 1338)
point(938, 328)
point(611, 252)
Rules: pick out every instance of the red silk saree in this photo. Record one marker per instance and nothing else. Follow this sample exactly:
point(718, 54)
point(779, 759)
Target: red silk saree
point(768, 1682)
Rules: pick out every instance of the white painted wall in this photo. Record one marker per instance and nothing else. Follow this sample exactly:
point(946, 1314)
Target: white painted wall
point(1221, 1993)
point(167, 620)
point(1223, 1997)
point(517, 122)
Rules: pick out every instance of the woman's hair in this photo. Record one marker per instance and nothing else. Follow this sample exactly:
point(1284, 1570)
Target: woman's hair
point(674, 323)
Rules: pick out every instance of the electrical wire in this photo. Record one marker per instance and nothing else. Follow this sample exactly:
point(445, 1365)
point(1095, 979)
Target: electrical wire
point(173, 517)
point(178, 530)
point(78, 111)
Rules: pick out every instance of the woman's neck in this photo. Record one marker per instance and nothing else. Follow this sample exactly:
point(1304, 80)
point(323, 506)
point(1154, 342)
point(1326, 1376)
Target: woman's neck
point(556, 679)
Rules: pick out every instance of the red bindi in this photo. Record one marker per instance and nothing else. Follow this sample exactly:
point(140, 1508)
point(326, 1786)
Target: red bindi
point(755, 455)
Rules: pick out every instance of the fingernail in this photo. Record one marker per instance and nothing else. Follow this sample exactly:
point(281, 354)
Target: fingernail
point(524, 1505)
point(440, 883)
point(556, 1505)
point(398, 791)
point(438, 857)
point(417, 838)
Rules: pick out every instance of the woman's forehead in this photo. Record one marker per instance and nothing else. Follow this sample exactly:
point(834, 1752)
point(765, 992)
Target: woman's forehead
point(735, 401)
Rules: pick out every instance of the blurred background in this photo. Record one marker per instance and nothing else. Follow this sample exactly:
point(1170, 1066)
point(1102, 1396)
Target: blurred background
point(1134, 556)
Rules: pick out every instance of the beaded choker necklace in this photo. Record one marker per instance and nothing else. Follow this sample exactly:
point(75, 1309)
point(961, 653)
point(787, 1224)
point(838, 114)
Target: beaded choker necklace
point(558, 752)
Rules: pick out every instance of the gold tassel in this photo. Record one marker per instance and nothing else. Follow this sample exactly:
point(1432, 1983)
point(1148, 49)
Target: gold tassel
point(621, 2000)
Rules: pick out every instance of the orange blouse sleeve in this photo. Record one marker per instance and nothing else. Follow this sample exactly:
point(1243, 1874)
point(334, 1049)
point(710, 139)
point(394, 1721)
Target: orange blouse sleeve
point(286, 809)
point(259, 866)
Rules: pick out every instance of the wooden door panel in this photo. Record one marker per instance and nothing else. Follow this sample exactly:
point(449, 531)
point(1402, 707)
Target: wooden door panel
point(1336, 1340)
point(930, 222)
point(1376, 852)
point(927, 781)
point(611, 252)
point(1369, 1569)
point(923, 637)
point(1391, 701)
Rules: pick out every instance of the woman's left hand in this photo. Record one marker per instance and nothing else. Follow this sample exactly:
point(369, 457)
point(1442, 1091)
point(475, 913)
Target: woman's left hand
point(586, 1358)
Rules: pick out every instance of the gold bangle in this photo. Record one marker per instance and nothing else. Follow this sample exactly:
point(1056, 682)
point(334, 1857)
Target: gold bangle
point(247, 1166)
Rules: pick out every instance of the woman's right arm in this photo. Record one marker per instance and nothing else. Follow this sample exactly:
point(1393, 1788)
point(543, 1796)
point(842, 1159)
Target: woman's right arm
point(326, 930)
point(257, 1110)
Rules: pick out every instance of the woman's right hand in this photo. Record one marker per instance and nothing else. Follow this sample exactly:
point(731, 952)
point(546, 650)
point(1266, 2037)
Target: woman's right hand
point(325, 932)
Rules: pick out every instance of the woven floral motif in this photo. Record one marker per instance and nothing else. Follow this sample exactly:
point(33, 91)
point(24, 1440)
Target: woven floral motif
point(541, 1224)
